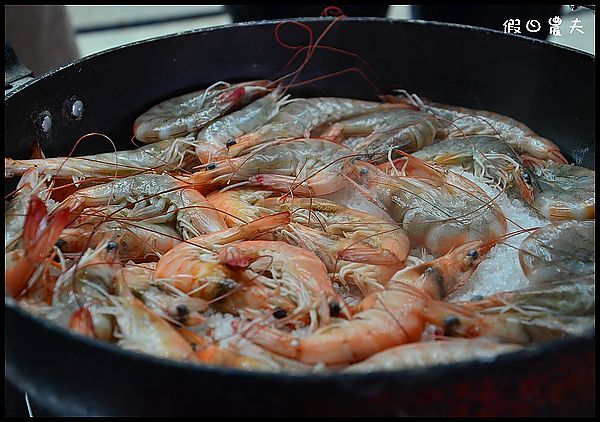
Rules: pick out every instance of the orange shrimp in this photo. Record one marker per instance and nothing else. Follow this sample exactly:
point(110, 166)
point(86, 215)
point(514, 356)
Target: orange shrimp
point(242, 205)
point(384, 319)
point(381, 235)
point(204, 268)
point(212, 354)
point(297, 275)
point(350, 262)
point(40, 233)
point(459, 321)
point(140, 329)
point(193, 266)
point(169, 303)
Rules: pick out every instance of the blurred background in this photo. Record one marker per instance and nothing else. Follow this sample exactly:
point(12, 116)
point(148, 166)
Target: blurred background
point(90, 29)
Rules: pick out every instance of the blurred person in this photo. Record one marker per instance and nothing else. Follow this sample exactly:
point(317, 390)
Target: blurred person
point(42, 36)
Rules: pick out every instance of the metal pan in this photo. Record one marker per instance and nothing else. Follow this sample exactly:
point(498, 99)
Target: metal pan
point(549, 88)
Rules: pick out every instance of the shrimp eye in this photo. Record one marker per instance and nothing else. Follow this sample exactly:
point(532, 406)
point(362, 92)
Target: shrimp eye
point(211, 166)
point(230, 143)
point(476, 298)
point(60, 244)
point(527, 178)
point(473, 254)
point(111, 245)
point(364, 170)
point(279, 313)
point(182, 312)
point(450, 322)
point(334, 309)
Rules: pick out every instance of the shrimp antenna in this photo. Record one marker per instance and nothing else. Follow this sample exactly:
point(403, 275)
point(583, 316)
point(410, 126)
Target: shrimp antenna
point(311, 47)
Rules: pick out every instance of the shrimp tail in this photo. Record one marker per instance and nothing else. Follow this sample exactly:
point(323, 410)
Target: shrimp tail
point(400, 102)
point(556, 156)
point(41, 230)
point(40, 233)
point(81, 322)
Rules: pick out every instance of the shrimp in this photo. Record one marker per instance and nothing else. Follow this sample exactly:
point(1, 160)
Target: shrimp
point(487, 157)
point(301, 116)
point(565, 306)
point(347, 241)
point(167, 302)
point(574, 297)
point(381, 131)
point(229, 356)
point(31, 184)
point(239, 354)
point(438, 210)
point(444, 275)
point(378, 233)
point(232, 280)
point(466, 122)
point(40, 231)
point(196, 268)
point(297, 274)
point(302, 166)
point(565, 192)
point(459, 321)
point(430, 353)
point(559, 251)
point(201, 245)
point(250, 231)
point(80, 291)
point(168, 155)
point(213, 142)
point(370, 269)
point(384, 319)
point(141, 330)
point(138, 241)
point(191, 112)
point(157, 199)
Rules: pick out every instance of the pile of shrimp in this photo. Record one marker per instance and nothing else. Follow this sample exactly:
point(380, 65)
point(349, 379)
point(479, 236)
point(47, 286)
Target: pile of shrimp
point(228, 238)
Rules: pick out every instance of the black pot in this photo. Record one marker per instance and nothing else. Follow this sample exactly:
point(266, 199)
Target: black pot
point(548, 88)
point(254, 12)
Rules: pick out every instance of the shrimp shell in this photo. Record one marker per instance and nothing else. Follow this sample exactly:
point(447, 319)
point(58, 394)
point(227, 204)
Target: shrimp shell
point(416, 355)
